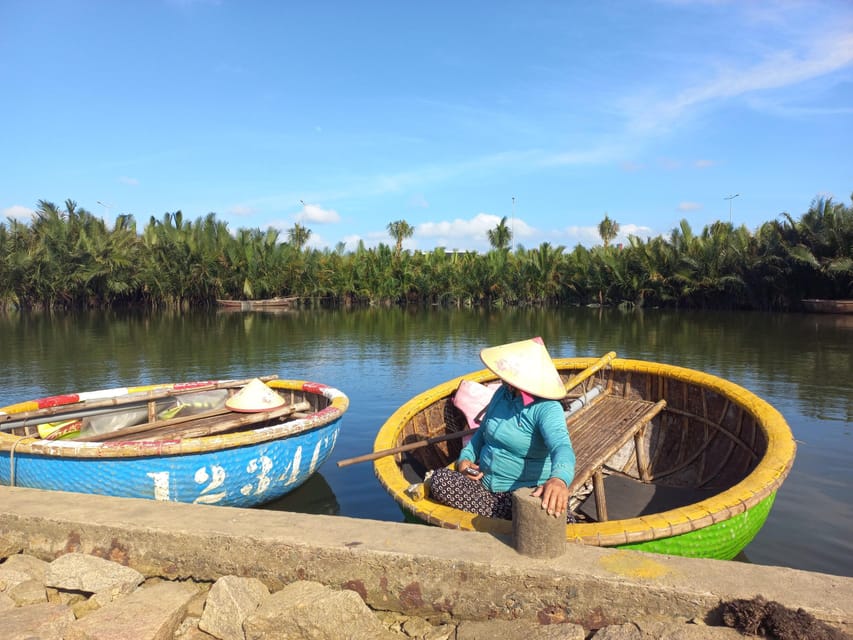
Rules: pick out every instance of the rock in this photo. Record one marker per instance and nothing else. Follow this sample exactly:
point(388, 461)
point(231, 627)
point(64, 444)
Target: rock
point(6, 602)
point(43, 621)
point(664, 630)
point(81, 572)
point(11, 577)
point(28, 592)
point(69, 598)
point(30, 565)
point(230, 600)
point(9, 545)
point(195, 608)
point(151, 613)
point(517, 630)
point(188, 630)
point(311, 610)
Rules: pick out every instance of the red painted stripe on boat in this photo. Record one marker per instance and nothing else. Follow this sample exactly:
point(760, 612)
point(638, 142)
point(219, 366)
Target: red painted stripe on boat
point(314, 387)
point(58, 401)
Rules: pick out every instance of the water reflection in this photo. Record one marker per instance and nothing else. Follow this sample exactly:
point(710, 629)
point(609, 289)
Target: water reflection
point(313, 496)
point(801, 363)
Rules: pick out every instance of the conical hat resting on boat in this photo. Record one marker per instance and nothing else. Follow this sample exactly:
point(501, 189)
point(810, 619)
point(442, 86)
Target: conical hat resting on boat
point(527, 366)
point(255, 397)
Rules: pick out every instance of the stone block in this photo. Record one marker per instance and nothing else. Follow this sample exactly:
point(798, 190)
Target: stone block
point(31, 565)
point(310, 610)
point(534, 532)
point(152, 613)
point(28, 592)
point(43, 621)
point(517, 630)
point(230, 601)
point(82, 572)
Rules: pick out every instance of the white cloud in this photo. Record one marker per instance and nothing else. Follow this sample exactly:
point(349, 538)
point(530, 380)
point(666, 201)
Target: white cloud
point(133, 182)
point(241, 210)
point(586, 236)
point(689, 206)
point(704, 164)
point(317, 215)
point(18, 212)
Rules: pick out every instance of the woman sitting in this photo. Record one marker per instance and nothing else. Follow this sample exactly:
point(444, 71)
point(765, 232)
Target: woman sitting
point(521, 442)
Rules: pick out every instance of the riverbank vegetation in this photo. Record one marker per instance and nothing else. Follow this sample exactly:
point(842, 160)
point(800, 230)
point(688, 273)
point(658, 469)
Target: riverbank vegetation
point(67, 258)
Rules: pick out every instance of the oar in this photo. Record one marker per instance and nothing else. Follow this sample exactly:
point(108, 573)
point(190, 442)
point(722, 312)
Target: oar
point(233, 422)
point(575, 406)
point(406, 447)
point(195, 426)
point(591, 370)
point(86, 408)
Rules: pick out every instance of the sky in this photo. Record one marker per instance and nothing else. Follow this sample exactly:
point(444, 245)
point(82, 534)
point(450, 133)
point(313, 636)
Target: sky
point(347, 116)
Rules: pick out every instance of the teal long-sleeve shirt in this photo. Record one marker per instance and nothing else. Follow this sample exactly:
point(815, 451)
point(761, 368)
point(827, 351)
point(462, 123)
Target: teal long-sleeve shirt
point(521, 446)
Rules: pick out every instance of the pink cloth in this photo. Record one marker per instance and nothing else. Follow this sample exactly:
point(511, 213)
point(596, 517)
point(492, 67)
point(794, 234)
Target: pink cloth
point(471, 398)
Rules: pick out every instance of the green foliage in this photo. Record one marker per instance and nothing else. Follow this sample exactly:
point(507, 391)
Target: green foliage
point(66, 258)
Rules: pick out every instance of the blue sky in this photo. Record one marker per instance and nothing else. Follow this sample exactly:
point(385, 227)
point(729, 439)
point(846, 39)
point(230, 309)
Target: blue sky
point(345, 116)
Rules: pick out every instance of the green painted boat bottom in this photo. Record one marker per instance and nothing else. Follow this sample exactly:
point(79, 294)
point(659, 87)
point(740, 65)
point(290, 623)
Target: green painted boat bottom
point(723, 540)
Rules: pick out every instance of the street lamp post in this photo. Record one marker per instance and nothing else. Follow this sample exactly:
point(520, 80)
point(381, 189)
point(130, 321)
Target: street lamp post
point(730, 198)
point(107, 206)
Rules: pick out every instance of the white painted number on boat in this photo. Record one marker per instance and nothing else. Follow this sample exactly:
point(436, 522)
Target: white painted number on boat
point(297, 460)
point(213, 481)
point(161, 485)
point(261, 467)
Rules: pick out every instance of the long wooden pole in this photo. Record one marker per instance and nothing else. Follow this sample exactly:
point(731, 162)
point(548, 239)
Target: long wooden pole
point(570, 384)
point(590, 371)
point(405, 447)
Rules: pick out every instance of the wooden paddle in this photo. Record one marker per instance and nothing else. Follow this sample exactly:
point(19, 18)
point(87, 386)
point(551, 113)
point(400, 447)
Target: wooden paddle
point(405, 447)
point(573, 382)
point(88, 408)
point(201, 424)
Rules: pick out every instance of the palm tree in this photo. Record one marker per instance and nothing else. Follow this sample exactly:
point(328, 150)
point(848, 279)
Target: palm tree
point(298, 236)
point(608, 229)
point(501, 236)
point(400, 230)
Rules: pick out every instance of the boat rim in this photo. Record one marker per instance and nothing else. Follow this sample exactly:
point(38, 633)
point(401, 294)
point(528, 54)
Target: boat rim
point(759, 484)
point(338, 405)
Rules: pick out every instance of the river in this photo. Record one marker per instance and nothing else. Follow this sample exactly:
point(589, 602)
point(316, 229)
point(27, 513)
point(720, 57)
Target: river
point(800, 363)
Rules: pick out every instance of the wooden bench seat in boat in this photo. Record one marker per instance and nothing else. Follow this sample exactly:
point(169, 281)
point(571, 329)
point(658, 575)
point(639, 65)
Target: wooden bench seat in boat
point(599, 430)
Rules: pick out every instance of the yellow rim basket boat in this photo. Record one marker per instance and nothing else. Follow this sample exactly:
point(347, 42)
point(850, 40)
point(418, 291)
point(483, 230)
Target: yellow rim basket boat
point(699, 458)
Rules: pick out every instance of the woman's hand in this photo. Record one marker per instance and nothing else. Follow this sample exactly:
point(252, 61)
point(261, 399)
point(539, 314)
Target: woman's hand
point(555, 496)
point(469, 469)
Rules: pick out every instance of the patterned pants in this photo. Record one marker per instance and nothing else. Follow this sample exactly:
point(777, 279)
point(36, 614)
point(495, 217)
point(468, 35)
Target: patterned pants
point(460, 492)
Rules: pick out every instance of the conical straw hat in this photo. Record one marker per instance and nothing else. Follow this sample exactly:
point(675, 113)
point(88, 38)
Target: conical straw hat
point(255, 397)
point(527, 366)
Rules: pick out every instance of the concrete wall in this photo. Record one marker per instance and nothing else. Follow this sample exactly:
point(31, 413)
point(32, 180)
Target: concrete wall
point(413, 569)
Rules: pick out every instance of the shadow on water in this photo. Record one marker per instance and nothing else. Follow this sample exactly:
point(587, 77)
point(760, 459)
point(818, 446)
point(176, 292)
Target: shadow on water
point(314, 496)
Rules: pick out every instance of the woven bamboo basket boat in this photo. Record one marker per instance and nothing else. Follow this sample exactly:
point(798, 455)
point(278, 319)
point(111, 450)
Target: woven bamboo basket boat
point(669, 460)
point(198, 455)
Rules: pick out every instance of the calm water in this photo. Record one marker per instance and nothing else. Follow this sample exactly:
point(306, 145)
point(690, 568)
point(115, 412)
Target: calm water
point(800, 363)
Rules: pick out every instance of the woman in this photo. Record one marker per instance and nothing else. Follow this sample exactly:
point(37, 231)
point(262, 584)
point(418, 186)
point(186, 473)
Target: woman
point(521, 442)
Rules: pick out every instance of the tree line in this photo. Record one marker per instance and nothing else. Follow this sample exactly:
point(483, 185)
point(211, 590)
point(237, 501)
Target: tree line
point(67, 258)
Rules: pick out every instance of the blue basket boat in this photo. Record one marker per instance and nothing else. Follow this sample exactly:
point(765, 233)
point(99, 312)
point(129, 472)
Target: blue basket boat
point(172, 442)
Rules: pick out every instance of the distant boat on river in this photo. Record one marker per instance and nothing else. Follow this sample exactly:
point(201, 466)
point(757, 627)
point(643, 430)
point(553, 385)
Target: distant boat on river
point(817, 305)
point(259, 305)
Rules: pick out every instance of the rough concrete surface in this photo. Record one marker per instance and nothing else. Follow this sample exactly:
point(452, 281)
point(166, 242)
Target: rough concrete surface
point(438, 575)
